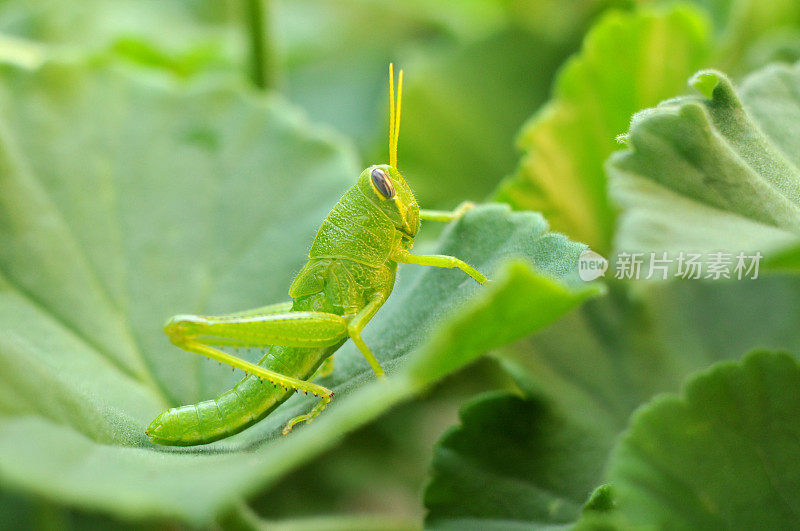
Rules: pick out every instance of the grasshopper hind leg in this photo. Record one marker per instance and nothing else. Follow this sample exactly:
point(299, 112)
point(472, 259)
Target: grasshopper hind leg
point(213, 419)
point(326, 369)
point(311, 415)
point(249, 400)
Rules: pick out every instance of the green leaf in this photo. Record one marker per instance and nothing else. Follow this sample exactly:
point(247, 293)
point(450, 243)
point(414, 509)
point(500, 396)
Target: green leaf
point(513, 463)
point(586, 374)
point(720, 171)
point(629, 61)
point(123, 202)
point(598, 364)
point(722, 455)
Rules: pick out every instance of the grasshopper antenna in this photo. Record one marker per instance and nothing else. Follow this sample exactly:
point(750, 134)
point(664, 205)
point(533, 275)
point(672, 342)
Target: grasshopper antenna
point(394, 114)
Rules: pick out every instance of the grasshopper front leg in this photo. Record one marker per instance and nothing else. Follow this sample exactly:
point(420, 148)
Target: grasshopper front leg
point(446, 216)
point(437, 260)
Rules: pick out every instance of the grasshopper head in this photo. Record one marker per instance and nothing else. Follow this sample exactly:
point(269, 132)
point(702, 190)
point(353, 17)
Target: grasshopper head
point(390, 192)
point(383, 182)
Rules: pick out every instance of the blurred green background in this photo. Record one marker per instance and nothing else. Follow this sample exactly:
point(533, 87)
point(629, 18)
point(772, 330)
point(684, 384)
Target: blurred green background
point(476, 71)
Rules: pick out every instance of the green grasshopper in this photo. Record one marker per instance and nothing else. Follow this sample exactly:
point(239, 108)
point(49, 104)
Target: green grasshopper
point(350, 273)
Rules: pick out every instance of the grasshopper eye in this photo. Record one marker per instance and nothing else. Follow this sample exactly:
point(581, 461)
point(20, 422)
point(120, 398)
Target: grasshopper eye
point(383, 183)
